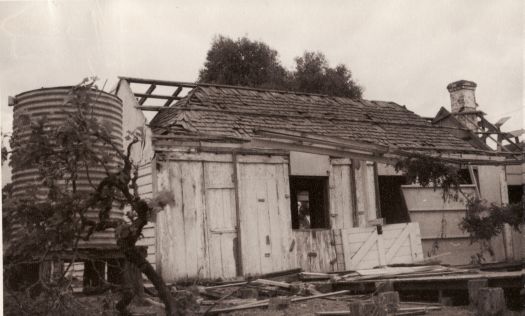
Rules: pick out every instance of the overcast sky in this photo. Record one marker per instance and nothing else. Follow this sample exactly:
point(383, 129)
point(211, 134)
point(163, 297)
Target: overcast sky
point(401, 51)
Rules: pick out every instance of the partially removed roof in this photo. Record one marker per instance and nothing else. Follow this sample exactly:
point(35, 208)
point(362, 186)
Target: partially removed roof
point(240, 112)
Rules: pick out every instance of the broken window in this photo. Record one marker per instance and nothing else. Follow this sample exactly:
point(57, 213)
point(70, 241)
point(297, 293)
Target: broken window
point(309, 202)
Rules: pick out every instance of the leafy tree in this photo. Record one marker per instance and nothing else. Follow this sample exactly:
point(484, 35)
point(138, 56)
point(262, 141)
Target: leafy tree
point(243, 63)
point(254, 64)
point(313, 74)
point(55, 214)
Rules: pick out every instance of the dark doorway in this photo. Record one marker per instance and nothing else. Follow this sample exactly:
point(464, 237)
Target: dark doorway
point(309, 202)
point(515, 193)
point(392, 202)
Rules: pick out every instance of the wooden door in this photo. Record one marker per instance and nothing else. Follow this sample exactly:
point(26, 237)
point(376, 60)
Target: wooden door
point(265, 218)
point(221, 219)
point(364, 248)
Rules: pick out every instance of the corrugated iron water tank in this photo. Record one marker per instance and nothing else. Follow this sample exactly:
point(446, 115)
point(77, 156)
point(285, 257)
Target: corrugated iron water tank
point(50, 104)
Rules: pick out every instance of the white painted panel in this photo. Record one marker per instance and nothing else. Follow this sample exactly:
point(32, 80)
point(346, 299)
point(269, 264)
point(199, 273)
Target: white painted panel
point(364, 248)
point(489, 183)
point(181, 247)
point(305, 164)
point(438, 221)
point(265, 218)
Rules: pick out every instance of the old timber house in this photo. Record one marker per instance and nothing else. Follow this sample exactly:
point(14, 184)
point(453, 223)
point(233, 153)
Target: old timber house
point(273, 180)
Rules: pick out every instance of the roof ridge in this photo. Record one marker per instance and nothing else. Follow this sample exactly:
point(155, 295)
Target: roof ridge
point(205, 84)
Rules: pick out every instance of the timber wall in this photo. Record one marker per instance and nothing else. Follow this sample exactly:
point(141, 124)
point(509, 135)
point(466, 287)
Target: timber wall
point(197, 234)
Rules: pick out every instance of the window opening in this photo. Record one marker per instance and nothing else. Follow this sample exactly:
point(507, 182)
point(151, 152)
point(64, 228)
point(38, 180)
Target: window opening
point(309, 202)
point(391, 199)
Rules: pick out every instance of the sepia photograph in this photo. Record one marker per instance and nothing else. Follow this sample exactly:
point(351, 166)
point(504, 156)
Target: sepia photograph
point(295, 157)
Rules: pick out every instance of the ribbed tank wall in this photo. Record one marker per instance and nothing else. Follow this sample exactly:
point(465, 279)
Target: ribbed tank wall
point(49, 103)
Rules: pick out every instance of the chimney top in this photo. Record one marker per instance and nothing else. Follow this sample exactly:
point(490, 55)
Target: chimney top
point(460, 85)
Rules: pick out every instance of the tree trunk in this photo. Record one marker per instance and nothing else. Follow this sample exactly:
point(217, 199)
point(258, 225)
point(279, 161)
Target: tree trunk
point(134, 256)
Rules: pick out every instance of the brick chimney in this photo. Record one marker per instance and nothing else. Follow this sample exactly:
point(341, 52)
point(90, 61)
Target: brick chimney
point(463, 103)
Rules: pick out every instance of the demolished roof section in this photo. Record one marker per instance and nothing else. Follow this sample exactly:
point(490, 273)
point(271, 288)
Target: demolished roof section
point(240, 112)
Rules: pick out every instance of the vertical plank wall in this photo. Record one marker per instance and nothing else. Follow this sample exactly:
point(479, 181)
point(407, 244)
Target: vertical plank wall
point(350, 191)
point(221, 219)
point(181, 235)
point(344, 189)
point(264, 199)
point(197, 237)
point(341, 194)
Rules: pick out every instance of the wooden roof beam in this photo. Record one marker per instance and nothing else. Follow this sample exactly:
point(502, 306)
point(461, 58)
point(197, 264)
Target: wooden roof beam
point(150, 108)
point(174, 96)
point(156, 96)
point(160, 82)
point(149, 91)
point(319, 139)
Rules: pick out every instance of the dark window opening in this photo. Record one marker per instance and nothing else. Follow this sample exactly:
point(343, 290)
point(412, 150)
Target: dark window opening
point(465, 178)
point(515, 193)
point(391, 200)
point(309, 202)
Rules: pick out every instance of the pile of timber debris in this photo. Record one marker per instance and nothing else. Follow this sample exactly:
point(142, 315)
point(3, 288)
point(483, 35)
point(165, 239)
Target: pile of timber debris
point(279, 291)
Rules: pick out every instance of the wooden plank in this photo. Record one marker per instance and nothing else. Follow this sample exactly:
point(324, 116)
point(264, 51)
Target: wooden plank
point(150, 90)
point(474, 180)
point(363, 250)
point(342, 195)
point(248, 222)
point(265, 302)
point(182, 245)
point(192, 215)
point(154, 108)
point(174, 97)
point(353, 189)
point(361, 192)
point(283, 195)
point(413, 236)
point(381, 250)
point(376, 191)
point(260, 159)
point(274, 220)
point(370, 181)
point(401, 238)
point(159, 82)
point(221, 218)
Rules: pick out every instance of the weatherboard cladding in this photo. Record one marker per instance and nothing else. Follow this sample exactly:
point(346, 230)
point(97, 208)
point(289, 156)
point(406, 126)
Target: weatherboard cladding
point(239, 112)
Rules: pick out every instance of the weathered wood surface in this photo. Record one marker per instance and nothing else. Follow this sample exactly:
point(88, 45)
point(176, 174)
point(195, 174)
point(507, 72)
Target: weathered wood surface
point(265, 218)
point(182, 249)
point(341, 205)
point(365, 248)
point(221, 218)
point(365, 192)
point(316, 250)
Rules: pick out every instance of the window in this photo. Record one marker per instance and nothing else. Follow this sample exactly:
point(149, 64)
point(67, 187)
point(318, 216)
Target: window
point(309, 198)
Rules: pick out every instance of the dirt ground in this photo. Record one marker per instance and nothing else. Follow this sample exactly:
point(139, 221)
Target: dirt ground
point(104, 304)
point(308, 308)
